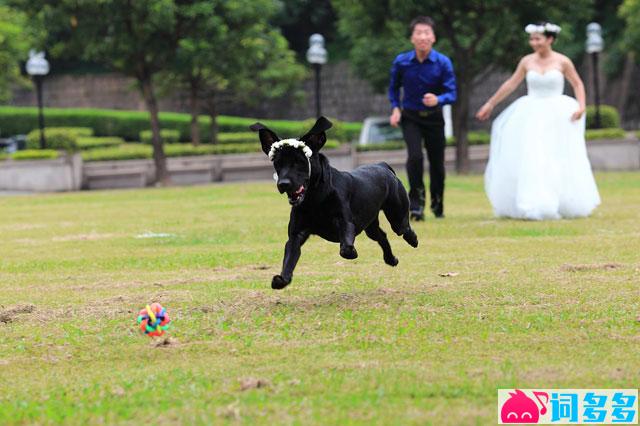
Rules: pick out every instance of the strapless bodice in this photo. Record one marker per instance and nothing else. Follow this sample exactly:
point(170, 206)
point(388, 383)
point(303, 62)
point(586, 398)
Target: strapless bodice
point(551, 83)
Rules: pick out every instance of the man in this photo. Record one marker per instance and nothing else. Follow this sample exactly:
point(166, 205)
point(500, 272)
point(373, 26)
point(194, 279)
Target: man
point(428, 82)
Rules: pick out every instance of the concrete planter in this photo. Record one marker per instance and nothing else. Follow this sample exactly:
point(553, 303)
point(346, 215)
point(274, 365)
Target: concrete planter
point(68, 173)
point(61, 174)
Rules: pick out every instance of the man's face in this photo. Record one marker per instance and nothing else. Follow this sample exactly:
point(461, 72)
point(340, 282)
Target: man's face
point(423, 37)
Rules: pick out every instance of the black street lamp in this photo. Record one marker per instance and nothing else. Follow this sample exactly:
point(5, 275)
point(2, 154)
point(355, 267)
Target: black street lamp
point(317, 56)
point(593, 46)
point(38, 67)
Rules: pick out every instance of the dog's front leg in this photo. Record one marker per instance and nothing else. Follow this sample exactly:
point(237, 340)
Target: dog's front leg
point(291, 255)
point(347, 237)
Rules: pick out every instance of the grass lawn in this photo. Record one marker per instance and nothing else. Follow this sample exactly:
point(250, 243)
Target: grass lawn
point(551, 304)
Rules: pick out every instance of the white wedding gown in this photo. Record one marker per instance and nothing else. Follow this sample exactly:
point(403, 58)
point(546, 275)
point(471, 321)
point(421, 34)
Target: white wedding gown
point(538, 166)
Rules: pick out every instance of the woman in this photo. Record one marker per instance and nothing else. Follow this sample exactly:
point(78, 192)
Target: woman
point(538, 166)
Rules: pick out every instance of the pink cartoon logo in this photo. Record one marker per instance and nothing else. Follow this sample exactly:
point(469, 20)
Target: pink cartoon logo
point(519, 408)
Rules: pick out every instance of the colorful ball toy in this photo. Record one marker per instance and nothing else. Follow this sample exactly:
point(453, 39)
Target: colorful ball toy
point(153, 320)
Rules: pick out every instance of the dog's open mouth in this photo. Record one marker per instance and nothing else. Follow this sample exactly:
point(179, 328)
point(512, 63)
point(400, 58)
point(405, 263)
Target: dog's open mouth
point(296, 197)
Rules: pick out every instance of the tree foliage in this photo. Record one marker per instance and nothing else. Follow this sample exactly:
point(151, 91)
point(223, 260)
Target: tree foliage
point(478, 35)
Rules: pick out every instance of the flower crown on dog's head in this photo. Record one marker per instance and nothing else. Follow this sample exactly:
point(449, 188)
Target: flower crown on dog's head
point(294, 143)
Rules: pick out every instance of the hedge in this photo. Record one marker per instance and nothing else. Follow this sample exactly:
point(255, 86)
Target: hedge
point(32, 154)
point(55, 138)
point(129, 124)
point(166, 135)
point(613, 133)
point(93, 142)
point(609, 117)
point(132, 151)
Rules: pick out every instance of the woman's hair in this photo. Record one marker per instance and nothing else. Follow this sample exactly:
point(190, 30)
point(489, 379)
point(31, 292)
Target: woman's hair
point(425, 20)
point(545, 28)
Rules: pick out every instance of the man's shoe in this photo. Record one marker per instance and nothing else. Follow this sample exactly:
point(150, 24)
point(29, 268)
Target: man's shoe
point(437, 208)
point(417, 215)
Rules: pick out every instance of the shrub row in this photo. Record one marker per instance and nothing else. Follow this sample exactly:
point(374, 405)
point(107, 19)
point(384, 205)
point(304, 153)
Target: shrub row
point(133, 151)
point(129, 124)
point(31, 154)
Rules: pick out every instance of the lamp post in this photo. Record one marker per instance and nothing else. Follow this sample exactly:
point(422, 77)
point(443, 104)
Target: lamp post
point(317, 56)
point(37, 68)
point(593, 46)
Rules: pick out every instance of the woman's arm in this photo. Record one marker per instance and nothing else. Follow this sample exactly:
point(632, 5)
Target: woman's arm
point(505, 90)
point(578, 87)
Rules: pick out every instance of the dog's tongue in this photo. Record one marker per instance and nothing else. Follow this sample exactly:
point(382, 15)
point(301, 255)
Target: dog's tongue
point(299, 191)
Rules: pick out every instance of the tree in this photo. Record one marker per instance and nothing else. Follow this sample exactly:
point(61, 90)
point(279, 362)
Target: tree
point(136, 38)
point(15, 42)
point(229, 46)
point(630, 12)
point(479, 36)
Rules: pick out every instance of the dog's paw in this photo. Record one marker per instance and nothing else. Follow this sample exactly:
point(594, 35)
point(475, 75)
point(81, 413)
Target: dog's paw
point(411, 238)
point(348, 252)
point(278, 282)
point(391, 260)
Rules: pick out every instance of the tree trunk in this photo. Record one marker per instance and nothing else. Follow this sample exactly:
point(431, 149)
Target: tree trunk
point(627, 74)
point(195, 109)
point(213, 114)
point(159, 159)
point(460, 122)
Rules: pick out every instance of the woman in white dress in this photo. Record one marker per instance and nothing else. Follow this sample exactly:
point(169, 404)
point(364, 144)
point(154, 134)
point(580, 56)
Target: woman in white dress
point(538, 166)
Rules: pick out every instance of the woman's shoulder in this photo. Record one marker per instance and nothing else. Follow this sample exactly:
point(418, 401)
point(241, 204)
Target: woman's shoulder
point(562, 59)
point(526, 60)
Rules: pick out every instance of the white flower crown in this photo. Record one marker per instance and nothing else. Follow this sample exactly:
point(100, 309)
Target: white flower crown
point(548, 27)
point(295, 143)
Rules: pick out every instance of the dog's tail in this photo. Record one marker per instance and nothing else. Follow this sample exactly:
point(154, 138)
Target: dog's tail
point(385, 164)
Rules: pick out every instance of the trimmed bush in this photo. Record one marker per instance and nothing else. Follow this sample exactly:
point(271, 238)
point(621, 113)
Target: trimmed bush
point(129, 151)
point(384, 146)
point(167, 136)
point(133, 151)
point(55, 138)
point(129, 124)
point(614, 133)
point(93, 142)
point(609, 117)
point(35, 154)
point(240, 137)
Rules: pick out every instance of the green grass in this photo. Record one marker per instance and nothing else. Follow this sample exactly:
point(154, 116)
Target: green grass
point(534, 304)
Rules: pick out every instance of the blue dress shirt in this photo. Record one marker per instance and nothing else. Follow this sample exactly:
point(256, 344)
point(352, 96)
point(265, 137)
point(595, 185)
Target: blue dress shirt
point(434, 75)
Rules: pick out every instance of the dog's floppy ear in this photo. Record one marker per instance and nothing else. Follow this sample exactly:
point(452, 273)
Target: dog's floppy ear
point(316, 137)
point(267, 137)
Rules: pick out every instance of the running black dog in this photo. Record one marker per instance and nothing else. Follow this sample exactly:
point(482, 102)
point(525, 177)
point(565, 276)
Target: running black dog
point(335, 205)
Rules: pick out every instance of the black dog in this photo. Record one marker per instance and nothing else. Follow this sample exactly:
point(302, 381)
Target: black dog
point(335, 205)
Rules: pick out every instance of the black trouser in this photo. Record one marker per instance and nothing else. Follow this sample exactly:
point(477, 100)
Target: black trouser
point(416, 127)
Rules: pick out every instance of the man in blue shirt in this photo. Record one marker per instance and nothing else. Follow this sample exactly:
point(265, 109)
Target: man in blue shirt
point(428, 82)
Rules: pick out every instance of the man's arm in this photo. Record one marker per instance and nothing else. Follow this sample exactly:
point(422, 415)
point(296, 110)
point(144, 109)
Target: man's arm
point(394, 94)
point(394, 85)
point(450, 90)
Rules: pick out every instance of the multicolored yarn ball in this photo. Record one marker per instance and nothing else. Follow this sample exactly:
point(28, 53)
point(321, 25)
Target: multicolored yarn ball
point(153, 320)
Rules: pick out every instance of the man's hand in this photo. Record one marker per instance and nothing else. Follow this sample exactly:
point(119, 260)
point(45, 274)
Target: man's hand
point(395, 117)
point(430, 100)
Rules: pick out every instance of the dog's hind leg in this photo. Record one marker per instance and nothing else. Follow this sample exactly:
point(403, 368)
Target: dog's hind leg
point(396, 209)
point(374, 232)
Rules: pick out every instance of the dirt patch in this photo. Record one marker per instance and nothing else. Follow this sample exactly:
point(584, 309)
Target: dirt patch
point(9, 314)
point(165, 342)
point(591, 267)
point(253, 383)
